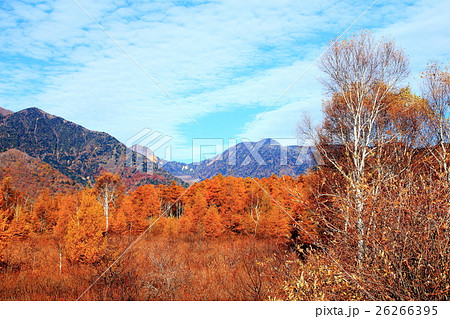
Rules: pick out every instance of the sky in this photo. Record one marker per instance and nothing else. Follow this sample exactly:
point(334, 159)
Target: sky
point(195, 72)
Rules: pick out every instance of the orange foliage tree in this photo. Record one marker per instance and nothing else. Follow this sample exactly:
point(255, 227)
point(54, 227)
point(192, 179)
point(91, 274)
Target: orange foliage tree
point(212, 223)
point(139, 207)
point(85, 241)
point(171, 203)
point(44, 213)
point(192, 219)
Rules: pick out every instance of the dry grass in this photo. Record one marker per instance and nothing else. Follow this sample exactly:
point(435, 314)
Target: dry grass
point(157, 268)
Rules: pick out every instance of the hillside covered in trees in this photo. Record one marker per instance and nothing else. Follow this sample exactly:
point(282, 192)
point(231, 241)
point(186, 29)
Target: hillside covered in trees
point(76, 152)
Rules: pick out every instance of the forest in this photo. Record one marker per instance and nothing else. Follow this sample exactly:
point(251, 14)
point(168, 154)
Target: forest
point(372, 222)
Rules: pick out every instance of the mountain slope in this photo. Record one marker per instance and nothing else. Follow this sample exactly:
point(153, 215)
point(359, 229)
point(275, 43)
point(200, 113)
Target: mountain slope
point(5, 112)
point(31, 175)
point(248, 159)
point(73, 150)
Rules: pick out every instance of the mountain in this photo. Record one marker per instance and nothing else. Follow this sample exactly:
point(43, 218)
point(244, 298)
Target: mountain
point(73, 150)
point(5, 112)
point(31, 175)
point(247, 159)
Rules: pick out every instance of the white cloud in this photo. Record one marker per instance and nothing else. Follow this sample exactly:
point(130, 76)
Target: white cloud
point(211, 57)
point(422, 33)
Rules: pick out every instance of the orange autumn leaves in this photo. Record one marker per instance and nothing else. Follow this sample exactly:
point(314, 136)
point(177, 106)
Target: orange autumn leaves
point(84, 223)
point(84, 240)
point(216, 207)
point(12, 214)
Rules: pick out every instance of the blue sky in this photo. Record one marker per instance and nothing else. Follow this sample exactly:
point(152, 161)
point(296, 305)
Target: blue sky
point(224, 62)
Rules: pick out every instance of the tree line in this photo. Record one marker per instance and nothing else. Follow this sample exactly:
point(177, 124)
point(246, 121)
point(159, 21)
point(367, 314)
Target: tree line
point(82, 222)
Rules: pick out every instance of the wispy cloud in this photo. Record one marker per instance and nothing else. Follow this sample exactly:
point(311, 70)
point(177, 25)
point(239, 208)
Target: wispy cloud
point(212, 56)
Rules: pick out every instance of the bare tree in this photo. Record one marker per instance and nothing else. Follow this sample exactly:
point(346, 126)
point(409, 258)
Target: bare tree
point(255, 211)
point(436, 89)
point(360, 74)
point(108, 188)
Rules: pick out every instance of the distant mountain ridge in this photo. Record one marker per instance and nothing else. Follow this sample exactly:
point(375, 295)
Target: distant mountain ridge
point(73, 150)
point(81, 154)
point(247, 159)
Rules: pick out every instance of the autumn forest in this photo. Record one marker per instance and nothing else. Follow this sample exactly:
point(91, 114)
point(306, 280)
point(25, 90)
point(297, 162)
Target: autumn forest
point(371, 221)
